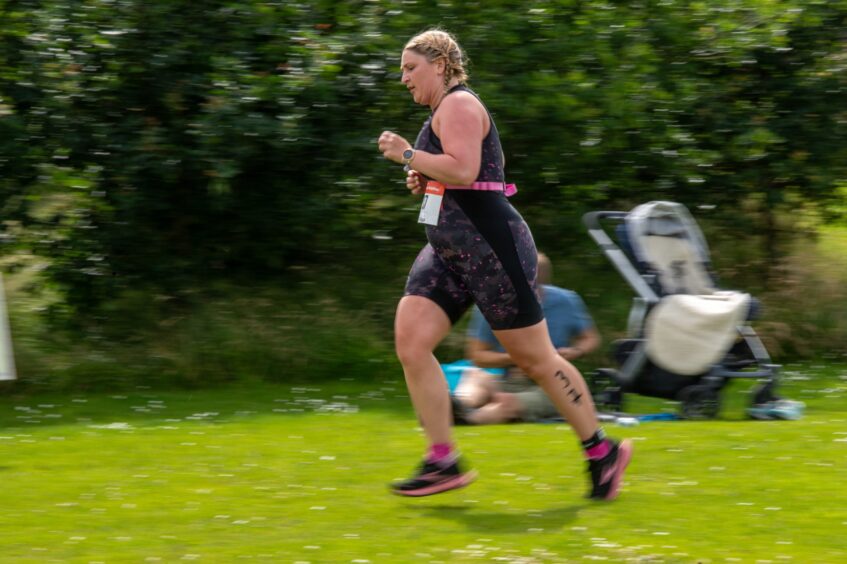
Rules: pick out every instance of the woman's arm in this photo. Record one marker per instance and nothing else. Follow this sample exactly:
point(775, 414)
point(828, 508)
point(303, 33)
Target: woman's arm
point(581, 345)
point(461, 124)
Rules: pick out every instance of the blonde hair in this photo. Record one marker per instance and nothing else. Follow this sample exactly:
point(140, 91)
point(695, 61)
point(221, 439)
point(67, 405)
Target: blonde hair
point(435, 44)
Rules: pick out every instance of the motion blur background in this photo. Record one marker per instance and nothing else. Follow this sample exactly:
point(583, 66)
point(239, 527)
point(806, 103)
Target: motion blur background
point(192, 194)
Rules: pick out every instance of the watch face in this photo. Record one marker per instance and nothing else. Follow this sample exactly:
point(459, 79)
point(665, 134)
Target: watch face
point(407, 154)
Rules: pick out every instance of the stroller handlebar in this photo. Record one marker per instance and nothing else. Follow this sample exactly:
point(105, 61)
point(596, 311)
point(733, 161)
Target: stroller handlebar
point(616, 254)
point(592, 219)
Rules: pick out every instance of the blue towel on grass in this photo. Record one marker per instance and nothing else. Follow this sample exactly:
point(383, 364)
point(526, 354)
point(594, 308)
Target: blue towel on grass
point(453, 371)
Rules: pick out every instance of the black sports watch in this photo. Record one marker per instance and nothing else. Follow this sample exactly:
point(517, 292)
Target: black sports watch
point(408, 155)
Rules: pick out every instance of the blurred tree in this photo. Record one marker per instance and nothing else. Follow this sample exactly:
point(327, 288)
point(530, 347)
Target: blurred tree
point(158, 145)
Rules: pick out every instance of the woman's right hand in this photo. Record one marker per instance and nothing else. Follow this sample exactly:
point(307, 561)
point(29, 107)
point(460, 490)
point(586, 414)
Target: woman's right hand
point(415, 182)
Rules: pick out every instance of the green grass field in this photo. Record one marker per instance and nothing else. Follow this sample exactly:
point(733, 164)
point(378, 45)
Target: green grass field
point(299, 474)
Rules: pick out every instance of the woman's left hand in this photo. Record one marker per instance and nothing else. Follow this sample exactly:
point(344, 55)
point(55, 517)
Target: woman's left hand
point(392, 146)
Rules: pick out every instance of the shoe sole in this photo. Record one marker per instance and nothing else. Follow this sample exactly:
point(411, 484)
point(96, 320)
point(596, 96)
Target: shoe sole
point(452, 484)
point(624, 456)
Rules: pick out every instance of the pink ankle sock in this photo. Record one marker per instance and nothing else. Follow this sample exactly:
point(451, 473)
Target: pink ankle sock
point(439, 452)
point(598, 451)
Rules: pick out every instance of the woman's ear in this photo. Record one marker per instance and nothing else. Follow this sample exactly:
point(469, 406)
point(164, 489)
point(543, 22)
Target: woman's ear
point(440, 65)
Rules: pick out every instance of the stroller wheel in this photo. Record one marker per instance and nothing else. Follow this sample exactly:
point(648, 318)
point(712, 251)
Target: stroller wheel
point(606, 391)
point(610, 399)
point(765, 393)
point(699, 402)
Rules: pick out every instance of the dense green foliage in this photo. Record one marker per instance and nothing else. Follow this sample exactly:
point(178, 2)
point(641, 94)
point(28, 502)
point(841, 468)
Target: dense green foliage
point(160, 144)
point(195, 186)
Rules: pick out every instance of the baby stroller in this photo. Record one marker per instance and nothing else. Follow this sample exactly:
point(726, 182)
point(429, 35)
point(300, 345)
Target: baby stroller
point(686, 339)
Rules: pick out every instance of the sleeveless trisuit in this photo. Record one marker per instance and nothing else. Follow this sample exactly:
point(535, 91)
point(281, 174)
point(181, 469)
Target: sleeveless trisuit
point(481, 251)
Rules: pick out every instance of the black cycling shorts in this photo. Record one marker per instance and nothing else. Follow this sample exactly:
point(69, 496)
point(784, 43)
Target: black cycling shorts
point(480, 252)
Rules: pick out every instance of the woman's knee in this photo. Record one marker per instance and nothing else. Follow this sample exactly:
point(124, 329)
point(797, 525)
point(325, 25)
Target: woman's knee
point(410, 350)
point(537, 367)
point(415, 347)
point(418, 328)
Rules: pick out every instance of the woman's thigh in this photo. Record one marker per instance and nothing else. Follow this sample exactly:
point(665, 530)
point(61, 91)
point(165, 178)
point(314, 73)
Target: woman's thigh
point(431, 279)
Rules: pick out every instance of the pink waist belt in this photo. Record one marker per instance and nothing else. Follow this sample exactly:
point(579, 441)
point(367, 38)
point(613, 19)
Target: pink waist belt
point(508, 189)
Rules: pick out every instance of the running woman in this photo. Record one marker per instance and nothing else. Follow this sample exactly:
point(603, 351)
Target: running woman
point(479, 251)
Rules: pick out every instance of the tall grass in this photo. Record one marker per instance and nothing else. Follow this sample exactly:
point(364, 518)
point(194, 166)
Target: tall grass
point(807, 299)
point(336, 322)
point(260, 334)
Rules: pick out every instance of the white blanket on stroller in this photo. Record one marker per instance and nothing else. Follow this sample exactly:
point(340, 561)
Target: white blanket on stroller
point(687, 334)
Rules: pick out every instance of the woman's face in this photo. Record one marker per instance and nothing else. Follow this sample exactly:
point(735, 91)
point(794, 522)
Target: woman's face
point(423, 79)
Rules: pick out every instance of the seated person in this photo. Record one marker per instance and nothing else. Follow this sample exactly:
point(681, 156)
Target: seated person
point(482, 398)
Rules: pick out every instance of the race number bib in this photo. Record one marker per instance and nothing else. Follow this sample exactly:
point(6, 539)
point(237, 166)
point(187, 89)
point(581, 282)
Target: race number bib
point(431, 205)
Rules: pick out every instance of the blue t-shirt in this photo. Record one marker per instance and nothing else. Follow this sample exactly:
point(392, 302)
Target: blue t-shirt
point(564, 310)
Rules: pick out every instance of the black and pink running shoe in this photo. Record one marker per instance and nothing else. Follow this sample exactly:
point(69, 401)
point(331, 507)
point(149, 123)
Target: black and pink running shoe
point(607, 472)
point(432, 478)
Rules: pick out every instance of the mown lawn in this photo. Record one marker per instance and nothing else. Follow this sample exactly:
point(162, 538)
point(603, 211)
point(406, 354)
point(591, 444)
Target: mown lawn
point(299, 474)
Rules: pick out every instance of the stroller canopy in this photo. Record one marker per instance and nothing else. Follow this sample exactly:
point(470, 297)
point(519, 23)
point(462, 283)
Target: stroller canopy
point(666, 240)
point(694, 323)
